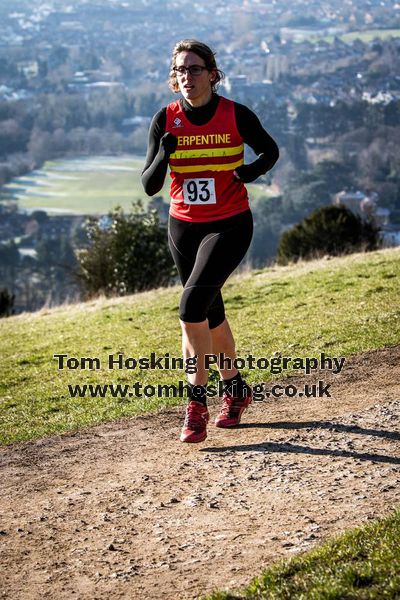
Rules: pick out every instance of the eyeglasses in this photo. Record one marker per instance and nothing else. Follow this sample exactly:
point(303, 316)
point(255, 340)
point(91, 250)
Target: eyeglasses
point(192, 70)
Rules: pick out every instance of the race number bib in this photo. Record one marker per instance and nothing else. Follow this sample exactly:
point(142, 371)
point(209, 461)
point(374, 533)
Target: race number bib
point(199, 191)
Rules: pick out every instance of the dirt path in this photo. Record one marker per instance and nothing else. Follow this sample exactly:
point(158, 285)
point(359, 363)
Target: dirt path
point(126, 511)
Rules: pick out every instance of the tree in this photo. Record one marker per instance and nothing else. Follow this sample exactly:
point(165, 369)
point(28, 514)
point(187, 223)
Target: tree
point(328, 230)
point(127, 253)
point(9, 259)
point(5, 173)
point(40, 216)
point(6, 303)
point(267, 214)
point(55, 252)
point(13, 138)
point(306, 191)
point(39, 146)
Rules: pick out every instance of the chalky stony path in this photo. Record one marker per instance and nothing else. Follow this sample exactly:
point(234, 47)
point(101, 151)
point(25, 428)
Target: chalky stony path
point(124, 510)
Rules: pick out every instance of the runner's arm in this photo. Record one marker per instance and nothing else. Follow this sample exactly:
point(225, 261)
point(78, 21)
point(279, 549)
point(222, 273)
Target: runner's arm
point(255, 136)
point(159, 148)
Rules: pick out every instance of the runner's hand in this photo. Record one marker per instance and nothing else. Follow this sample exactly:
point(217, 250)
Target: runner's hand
point(246, 173)
point(169, 142)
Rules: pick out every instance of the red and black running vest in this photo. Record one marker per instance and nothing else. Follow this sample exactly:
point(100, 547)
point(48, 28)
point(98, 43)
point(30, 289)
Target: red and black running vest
point(203, 187)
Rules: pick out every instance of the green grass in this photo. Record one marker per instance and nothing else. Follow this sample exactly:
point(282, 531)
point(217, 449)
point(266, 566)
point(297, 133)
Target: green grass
point(369, 35)
point(339, 306)
point(88, 185)
point(362, 564)
point(82, 185)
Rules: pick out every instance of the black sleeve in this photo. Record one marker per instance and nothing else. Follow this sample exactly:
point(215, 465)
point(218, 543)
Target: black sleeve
point(155, 168)
point(255, 136)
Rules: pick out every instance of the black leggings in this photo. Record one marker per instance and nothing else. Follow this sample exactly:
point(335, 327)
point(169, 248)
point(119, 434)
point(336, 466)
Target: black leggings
point(205, 255)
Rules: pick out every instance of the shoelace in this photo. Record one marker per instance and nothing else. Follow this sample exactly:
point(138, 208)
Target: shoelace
point(195, 417)
point(228, 406)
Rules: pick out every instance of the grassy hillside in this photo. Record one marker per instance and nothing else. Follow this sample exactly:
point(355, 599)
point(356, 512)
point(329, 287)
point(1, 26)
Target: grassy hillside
point(338, 306)
point(358, 565)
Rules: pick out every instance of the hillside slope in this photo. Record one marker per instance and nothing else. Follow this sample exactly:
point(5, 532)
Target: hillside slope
point(337, 307)
point(124, 510)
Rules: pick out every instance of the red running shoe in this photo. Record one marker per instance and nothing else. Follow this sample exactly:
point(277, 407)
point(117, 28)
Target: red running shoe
point(232, 409)
point(195, 426)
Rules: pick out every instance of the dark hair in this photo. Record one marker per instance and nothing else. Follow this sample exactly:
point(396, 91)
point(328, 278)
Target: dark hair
point(204, 52)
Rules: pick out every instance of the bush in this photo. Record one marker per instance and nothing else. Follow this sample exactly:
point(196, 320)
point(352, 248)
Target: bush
point(328, 230)
point(6, 303)
point(128, 253)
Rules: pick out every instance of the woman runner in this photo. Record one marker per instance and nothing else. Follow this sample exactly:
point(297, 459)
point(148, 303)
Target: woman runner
point(200, 138)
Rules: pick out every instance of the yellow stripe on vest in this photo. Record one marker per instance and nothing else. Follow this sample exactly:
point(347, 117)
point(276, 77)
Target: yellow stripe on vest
point(200, 168)
point(207, 152)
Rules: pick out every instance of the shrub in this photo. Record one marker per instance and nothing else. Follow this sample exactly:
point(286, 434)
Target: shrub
point(6, 303)
point(329, 230)
point(127, 253)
